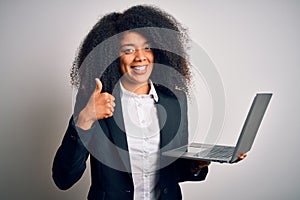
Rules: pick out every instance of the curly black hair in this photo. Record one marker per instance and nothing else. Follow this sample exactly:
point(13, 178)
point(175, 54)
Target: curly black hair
point(98, 54)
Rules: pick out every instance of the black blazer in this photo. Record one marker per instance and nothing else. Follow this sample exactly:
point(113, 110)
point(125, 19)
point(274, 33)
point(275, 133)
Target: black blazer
point(107, 146)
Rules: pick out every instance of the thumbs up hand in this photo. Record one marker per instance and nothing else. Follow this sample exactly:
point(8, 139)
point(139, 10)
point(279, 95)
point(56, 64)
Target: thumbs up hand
point(103, 103)
point(99, 106)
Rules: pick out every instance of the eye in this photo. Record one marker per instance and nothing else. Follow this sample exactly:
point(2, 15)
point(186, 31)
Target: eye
point(147, 48)
point(128, 51)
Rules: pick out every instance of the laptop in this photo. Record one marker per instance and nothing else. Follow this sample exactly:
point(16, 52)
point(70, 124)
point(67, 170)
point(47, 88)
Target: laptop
point(228, 154)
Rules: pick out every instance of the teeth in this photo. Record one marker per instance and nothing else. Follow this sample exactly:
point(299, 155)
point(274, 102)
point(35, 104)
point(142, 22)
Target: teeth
point(140, 68)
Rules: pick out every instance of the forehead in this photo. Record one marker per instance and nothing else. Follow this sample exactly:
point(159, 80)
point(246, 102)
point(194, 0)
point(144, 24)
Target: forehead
point(133, 38)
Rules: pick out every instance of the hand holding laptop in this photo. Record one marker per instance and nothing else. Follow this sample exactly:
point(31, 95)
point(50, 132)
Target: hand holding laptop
point(197, 165)
point(242, 156)
point(224, 153)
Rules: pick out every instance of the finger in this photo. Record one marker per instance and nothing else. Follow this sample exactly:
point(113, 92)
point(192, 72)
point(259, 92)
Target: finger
point(110, 97)
point(110, 107)
point(242, 156)
point(111, 100)
point(107, 97)
point(204, 164)
point(109, 114)
point(112, 103)
point(98, 85)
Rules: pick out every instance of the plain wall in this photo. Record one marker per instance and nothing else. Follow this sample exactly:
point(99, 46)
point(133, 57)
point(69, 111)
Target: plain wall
point(254, 45)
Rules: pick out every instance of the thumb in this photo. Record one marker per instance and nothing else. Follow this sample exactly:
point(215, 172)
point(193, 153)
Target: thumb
point(98, 85)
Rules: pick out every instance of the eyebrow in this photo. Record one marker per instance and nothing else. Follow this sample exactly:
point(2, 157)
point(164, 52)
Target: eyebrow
point(132, 45)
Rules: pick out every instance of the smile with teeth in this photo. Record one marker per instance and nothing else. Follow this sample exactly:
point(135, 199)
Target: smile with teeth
point(139, 68)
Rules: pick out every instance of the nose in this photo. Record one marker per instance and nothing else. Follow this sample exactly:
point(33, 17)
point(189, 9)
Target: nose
point(139, 55)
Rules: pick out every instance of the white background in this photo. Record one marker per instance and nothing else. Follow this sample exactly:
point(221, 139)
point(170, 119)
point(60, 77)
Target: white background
point(254, 45)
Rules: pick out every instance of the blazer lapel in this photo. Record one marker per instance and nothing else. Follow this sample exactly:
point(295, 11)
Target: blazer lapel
point(168, 110)
point(171, 115)
point(117, 129)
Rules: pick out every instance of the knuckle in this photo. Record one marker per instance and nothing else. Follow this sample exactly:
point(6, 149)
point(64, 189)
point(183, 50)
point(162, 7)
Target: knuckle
point(104, 94)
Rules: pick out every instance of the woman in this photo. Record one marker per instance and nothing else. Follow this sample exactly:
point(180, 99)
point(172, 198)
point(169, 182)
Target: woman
point(136, 110)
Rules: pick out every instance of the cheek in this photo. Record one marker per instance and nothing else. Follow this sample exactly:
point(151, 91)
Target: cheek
point(122, 70)
point(124, 65)
point(151, 58)
point(126, 60)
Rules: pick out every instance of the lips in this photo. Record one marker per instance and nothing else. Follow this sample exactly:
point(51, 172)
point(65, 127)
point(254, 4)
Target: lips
point(140, 69)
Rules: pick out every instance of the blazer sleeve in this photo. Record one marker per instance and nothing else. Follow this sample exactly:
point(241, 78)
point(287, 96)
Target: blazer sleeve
point(70, 159)
point(184, 165)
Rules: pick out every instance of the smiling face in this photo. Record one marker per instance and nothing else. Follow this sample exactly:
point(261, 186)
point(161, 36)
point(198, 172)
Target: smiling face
point(136, 62)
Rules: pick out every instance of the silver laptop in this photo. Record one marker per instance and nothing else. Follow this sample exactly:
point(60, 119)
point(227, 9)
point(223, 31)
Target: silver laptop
point(228, 154)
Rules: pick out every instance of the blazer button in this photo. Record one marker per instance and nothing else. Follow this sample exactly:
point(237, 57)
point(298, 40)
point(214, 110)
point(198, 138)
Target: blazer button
point(165, 191)
point(73, 137)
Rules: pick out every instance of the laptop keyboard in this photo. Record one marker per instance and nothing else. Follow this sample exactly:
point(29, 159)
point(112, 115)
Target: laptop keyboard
point(220, 152)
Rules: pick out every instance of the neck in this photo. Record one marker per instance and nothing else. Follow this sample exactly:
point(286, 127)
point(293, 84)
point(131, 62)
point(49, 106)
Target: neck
point(137, 89)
